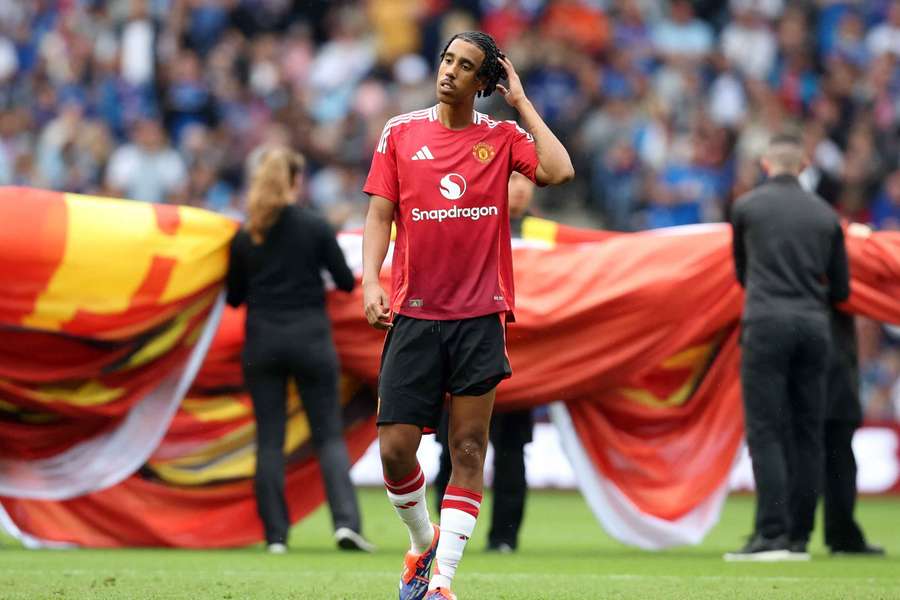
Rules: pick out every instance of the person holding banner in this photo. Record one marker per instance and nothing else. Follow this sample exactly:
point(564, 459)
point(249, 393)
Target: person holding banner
point(843, 535)
point(440, 175)
point(790, 257)
point(275, 268)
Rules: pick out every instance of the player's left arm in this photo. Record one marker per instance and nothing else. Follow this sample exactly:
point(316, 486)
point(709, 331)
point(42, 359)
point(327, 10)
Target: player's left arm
point(554, 165)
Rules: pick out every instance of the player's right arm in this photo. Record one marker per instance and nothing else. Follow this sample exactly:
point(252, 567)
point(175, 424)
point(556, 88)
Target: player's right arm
point(383, 187)
point(376, 239)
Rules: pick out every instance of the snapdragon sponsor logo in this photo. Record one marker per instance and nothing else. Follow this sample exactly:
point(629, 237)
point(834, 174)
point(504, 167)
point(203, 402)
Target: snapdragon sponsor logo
point(468, 212)
point(452, 187)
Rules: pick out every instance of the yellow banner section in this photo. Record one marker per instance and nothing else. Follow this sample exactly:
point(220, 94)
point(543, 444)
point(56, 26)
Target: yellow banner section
point(231, 456)
point(535, 228)
point(694, 359)
point(117, 248)
point(216, 409)
point(166, 340)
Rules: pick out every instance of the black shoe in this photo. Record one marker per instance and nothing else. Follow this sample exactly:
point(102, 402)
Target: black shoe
point(276, 548)
point(347, 539)
point(501, 548)
point(762, 549)
point(863, 550)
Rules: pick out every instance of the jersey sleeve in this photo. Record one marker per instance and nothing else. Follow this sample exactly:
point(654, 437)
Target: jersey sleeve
point(382, 180)
point(524, 152)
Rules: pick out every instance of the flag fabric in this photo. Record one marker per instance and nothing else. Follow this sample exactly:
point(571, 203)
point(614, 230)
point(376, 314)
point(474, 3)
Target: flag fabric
point(108, 306)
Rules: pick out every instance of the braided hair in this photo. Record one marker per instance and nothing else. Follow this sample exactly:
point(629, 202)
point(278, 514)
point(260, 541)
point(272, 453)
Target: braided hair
point(491, 70)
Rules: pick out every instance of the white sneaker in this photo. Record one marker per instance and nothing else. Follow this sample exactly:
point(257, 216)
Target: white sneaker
point(347, 539)
point(276, 548)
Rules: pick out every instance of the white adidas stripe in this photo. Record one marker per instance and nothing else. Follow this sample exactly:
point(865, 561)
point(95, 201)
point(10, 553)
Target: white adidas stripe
point(423, 154)
point(398, 120)
point(482, 118)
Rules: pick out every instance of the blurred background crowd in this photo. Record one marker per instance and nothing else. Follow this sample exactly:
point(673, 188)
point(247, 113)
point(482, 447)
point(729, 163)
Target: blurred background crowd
point(664, 106)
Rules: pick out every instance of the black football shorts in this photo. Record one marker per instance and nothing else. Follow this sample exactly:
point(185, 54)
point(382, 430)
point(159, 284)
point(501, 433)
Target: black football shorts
point(423, 360)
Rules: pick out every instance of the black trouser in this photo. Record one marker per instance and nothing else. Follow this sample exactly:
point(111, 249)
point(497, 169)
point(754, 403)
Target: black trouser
point(783, 381)
point(509, 433)
point(296, 344)
point(841, 530)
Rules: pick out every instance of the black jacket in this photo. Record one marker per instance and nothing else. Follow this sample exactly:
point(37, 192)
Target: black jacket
point(789, 251)
point(285, 271)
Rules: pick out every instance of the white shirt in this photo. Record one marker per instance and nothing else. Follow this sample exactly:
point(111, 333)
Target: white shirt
point(143, 175)
point(751, 50)
point(883, 39)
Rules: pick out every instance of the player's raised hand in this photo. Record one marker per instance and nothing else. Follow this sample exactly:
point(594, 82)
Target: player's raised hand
point(512, 92)
point(375, 304)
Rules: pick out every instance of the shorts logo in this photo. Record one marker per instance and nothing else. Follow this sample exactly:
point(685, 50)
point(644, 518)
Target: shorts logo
point(453, 186)
point(483, 152)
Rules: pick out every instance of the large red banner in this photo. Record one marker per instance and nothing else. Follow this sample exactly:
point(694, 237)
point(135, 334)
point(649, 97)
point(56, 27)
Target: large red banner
point(631, 337)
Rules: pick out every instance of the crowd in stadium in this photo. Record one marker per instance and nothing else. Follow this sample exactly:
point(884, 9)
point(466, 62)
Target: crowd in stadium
point(664, 106)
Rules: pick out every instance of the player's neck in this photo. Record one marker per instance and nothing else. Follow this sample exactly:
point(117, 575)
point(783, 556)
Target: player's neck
point(455, 116)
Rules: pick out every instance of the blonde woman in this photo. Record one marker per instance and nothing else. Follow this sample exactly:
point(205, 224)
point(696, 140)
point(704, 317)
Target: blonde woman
point(275, 268)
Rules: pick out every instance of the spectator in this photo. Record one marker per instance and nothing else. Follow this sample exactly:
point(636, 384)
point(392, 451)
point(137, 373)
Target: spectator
point(632, 35)
point(850, 42)
point(9, 59)
point(885, 38)
point(682, 36)
point(886, 208)
point(148, 168)
point(188, 99)
point(748, 43)
point(138, 42)
point(577, 22)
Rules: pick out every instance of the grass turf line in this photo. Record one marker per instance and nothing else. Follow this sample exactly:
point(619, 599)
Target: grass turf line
point(564, 554)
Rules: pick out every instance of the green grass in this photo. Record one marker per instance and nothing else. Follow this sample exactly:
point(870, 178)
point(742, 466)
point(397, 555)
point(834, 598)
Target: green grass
point(564, 554)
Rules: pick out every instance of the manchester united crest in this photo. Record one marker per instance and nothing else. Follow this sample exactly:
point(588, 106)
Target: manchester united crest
point(483, 152)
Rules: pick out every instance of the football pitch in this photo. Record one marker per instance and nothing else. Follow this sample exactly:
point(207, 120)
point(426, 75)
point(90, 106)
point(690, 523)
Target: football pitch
point(564, 554)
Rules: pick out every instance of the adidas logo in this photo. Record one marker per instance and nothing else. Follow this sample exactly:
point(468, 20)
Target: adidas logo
point(423, 154)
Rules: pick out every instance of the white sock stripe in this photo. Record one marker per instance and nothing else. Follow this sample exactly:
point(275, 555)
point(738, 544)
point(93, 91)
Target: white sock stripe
point(412, 489)
point(462, 499)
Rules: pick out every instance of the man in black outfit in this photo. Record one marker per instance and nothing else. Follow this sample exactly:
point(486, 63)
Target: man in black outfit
point(790, 257)
point(842, 533)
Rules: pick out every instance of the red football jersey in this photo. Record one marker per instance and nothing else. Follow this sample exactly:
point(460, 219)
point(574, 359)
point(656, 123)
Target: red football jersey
point(452, 257)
